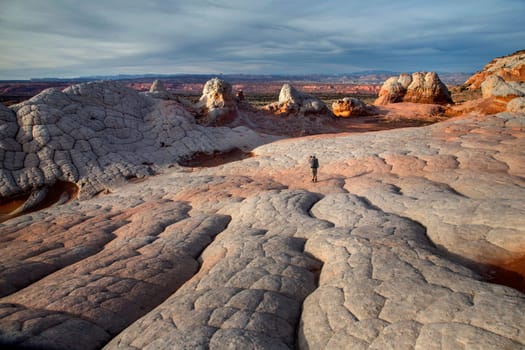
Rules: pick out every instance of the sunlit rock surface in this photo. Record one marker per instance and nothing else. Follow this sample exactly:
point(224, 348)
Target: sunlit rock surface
point(350, 106)
point(392, 248)
point(420, 87)
point(494, 85)
point(509, 68)
point(217, 105)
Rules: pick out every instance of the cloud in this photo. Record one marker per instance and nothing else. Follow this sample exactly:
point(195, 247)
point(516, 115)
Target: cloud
point(73, 38)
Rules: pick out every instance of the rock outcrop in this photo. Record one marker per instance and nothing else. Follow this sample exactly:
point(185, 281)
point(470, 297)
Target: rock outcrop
point(418, 88)
point(496, 86)
point(293, 102)
point(158, 91)
point(351, 106)
point(157, 86)
point(97, 135)
point(509, 68)
point(517, 105)
point(217, 104)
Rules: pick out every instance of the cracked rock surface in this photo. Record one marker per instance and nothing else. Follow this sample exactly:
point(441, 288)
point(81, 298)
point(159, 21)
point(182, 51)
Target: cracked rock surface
point(392, 248)
point(99, 134)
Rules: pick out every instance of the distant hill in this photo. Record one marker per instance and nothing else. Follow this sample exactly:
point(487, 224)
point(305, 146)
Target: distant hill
point(370, 76)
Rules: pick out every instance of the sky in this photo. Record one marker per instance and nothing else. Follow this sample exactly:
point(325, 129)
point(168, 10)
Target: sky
point(72, 38)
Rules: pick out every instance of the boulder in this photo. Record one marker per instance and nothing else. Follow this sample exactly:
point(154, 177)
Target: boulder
point(217, 104)
point(350, 106)
point(495, 85)
point(292, 101)
point(421, 87)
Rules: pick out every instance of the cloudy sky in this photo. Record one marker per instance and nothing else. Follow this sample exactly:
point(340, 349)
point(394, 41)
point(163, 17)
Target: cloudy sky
point(71, 38)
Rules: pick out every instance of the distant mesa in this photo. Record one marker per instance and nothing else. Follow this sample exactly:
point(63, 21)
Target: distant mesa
point(350, 107)
point(217, 105)
point(293, 102)
point(420, 87)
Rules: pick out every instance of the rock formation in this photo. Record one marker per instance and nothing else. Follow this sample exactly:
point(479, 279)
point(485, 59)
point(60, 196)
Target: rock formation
point(217, 104)
point(496, 86)
point(501, 81)
point(292, 101)
point(517, 105)
point(393, 90)
point(350, 106)
point(397, 246)
point(509, 68)
point(157, 86)
point(158, 91)
point(418, 88)
point(97, 135)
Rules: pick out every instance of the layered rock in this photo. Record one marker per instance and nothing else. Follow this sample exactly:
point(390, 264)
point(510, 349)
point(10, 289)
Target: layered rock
point(350, 106)
point(509, 68)
point(217, 104)
point(292, 101)
point(419, 88)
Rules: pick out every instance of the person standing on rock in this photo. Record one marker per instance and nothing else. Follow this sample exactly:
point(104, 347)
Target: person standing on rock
point(314, 164)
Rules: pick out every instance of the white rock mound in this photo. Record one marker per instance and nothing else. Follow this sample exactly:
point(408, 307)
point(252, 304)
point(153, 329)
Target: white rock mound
point(292, 101)
point(97, 135)
point(495, 85)
point(217, 104)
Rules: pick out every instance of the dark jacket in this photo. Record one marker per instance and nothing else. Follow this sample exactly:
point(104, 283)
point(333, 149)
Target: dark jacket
point(314, 163)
